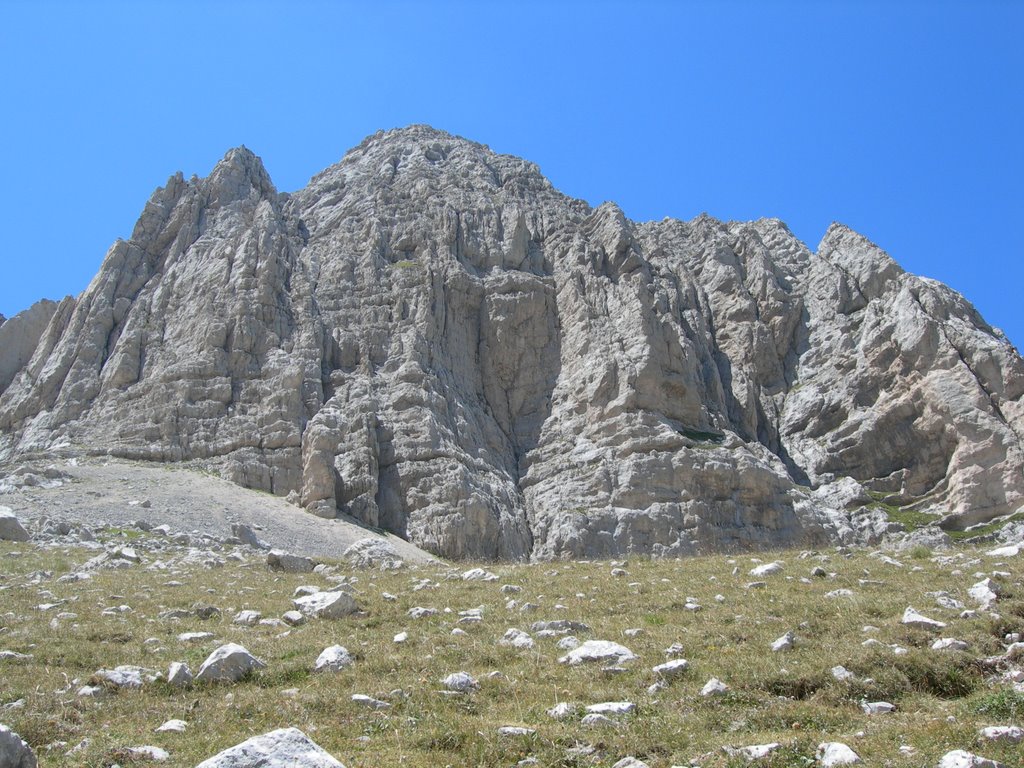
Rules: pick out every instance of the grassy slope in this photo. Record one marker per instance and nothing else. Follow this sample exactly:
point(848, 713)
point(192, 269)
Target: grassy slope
point(790, 698)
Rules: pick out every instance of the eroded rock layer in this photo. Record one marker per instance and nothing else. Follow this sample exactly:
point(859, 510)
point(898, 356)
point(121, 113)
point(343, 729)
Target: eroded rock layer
point(432, 339)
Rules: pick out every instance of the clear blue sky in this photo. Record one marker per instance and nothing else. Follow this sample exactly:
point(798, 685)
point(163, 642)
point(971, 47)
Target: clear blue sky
point(903, 120)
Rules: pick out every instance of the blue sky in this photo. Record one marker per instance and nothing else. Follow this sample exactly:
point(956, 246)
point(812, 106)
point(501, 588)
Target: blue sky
point(901, 119)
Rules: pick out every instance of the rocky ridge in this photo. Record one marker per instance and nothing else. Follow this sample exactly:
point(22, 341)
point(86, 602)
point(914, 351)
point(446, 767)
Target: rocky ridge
point(431, 339)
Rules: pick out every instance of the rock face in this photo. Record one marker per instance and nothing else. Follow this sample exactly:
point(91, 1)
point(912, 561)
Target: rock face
point(283, 748)
point(433, 340)
point(19, 338)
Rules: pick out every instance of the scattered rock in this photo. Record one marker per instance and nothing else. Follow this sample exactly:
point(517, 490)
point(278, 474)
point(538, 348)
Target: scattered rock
point(517, 639)
point(600, 651)
point(14, 752)
point(247, 618)
point(11, 528)
point(179, 675)
point(612, 708)
point(369, 702)
point(833, 753)
point(282, 561)
point(374, 553)
point(333, 659)
point(753, 752)
point(714, 687)
point(327, 605)
point(229, 663)
point(785, 643)
point(173, 726)
point(461, 682)
point(914, 619)
point(960, 758)
point(1009, 733)
point(283, 748)
point(671, 670)
point(877, 707)
point(515, 730)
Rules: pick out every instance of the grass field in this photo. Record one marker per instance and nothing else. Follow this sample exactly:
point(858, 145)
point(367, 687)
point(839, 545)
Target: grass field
point(942, 698)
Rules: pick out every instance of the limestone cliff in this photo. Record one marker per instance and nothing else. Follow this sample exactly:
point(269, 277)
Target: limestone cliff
point(432, 339)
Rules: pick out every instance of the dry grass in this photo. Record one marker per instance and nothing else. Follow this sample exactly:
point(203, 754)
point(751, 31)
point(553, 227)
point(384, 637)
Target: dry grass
point(942, 698)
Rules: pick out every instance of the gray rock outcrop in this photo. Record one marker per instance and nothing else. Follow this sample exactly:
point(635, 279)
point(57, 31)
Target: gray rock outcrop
point(431, 339)
point(283, 748)
point(14, 752)
point(19, 337)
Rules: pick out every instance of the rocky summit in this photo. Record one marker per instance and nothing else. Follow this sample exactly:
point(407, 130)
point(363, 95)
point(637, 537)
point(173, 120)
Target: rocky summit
point(431, 339)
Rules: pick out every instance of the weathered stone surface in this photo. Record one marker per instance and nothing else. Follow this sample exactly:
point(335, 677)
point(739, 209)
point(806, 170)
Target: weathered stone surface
point(283, 561)
point(603, 651)
point(229, 663)
point(326, 605)
point(283, 748)
point(14, 752)
point(11, 528)
point(334, 658)
point(431, 339)
point(19, 338)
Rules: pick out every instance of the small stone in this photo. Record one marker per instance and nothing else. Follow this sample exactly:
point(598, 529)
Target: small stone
point(612, 708)
point(841, 673)
point(753, 752)
point(630, 762)
point(515, 730)
point(421, 613)
point(833, 753)
point(594, 720)
point(561, 711)
point(949, 644)
point(461, 682)
point(1011, 734)
point(401, 637)
point(282, 561)
point(194, 637)
point(327, 605)
point(877, 707)
point(172, 726)
point(11, 528)
point(369, 701)
point(714, 687)
point(517, 639)
point(598, 650)
point(671, 670)
point(156, 754)
point(293, 618)
point(768, 569)
point(229, 663)
point(247, 618)
point(914, 619)
point(785, 643)
point(334, 658)
point(179, 675)
point(478, 574)
point(960, 758)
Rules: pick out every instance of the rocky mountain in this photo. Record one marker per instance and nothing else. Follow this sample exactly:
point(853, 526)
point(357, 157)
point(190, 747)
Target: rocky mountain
point(432, 339)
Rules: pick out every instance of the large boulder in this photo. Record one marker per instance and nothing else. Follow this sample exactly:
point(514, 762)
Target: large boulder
point(11, 528)
point(283, 748)
point(14, 752)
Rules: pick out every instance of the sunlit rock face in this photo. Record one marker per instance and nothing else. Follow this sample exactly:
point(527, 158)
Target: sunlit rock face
point(430, 338)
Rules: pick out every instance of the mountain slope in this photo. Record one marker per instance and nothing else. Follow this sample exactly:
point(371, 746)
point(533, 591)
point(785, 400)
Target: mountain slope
point(431, 338)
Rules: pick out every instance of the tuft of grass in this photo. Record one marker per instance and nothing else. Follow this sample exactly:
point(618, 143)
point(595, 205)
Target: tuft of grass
point(1006, 704)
